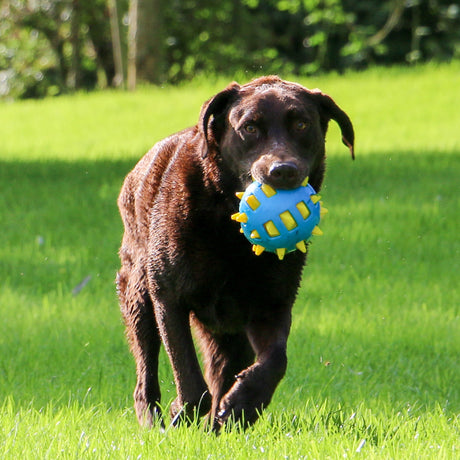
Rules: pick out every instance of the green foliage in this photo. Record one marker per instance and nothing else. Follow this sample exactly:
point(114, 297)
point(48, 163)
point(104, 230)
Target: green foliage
point(49, 47)
point(27, 64)
point(42, 53)
point(305, 36)
point(373, 352)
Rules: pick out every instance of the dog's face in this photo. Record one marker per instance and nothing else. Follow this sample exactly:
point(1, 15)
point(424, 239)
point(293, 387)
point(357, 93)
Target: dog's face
point(272, 131)
point(273, 136)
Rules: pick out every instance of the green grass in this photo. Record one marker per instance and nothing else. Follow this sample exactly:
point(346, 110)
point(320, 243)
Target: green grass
point(373, 354)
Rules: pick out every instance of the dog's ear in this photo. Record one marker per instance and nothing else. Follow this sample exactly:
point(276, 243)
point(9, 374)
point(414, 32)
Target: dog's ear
point(213, 113)
point(330, 110)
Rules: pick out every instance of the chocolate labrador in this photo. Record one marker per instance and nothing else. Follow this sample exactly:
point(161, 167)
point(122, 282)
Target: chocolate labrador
point(185, 265)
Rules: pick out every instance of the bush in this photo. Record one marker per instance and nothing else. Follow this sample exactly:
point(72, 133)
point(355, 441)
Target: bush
point(27, 64)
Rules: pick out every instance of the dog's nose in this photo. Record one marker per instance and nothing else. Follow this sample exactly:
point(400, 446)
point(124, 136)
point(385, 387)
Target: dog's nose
point(284, 175)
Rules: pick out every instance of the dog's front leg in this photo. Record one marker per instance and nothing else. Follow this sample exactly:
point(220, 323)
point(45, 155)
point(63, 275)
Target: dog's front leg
point(254, 386)
point(192, 392)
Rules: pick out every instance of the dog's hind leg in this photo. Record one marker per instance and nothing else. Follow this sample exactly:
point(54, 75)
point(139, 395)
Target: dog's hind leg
point(192, 392)
point(144, 340)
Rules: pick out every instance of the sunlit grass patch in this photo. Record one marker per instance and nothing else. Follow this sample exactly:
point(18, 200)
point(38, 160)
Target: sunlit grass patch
point(373, 354)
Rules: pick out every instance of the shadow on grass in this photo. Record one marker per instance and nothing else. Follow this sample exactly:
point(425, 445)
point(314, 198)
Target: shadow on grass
point(60, 222)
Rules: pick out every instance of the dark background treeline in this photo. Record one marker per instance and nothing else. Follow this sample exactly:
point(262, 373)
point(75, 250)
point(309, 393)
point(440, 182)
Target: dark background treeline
point(48, 47)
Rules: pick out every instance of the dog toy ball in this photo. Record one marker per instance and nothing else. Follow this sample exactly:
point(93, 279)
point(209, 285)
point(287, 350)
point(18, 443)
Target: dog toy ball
point(279, 221)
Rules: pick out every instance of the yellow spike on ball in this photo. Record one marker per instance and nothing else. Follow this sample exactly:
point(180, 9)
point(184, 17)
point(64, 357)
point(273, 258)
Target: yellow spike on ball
point(255, 234)
point(301, 246)
point(305, 182)
point(280, 253)
point(239, 195)
point(317, 231)
point(258, 249)
point(315, 198)
point(240, 217)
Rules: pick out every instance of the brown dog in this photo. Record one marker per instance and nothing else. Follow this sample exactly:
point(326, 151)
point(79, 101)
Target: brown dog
point(184, 261)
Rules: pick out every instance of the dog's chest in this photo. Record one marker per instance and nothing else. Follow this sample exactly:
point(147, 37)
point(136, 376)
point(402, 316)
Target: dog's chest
point(233, 295)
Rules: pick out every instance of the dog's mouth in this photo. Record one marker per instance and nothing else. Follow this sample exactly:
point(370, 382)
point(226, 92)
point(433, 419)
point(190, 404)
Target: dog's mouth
point(278, 178)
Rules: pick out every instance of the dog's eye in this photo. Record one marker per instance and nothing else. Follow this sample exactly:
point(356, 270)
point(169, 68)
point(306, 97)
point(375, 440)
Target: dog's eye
point(300, 125)
point(250, 128)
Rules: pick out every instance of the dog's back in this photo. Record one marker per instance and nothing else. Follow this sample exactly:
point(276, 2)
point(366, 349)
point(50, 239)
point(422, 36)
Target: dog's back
point(141, 186)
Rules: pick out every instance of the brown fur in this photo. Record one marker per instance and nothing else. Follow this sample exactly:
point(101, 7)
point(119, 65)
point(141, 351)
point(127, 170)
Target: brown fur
point(183, 261)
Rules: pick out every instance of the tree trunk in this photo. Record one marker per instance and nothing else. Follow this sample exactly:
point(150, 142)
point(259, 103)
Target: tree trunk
point(132, 42)
point(145, 42)
point(73, 78)
point(118, 79)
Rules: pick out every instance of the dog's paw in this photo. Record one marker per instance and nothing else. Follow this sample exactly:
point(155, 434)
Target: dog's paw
point(148, 415)
point(241, 405)
point(176, 411)
point(187, 412)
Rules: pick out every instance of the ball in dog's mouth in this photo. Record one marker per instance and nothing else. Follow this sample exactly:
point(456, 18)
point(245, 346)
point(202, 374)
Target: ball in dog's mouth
point(279, 221)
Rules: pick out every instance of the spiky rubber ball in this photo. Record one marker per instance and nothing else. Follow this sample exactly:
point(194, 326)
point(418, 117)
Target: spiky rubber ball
point(279, 221)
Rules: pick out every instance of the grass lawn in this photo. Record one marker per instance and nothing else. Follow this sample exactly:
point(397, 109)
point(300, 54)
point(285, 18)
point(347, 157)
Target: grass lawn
point(374, 349)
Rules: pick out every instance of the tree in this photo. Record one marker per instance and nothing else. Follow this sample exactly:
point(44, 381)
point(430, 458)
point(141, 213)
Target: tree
point(145, 42)
point(117, 48)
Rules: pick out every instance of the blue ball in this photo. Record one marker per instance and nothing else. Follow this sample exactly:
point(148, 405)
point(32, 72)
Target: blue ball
point(279, 221)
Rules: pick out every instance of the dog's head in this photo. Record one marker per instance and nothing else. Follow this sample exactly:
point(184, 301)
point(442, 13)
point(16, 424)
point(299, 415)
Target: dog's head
point(273, 131)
